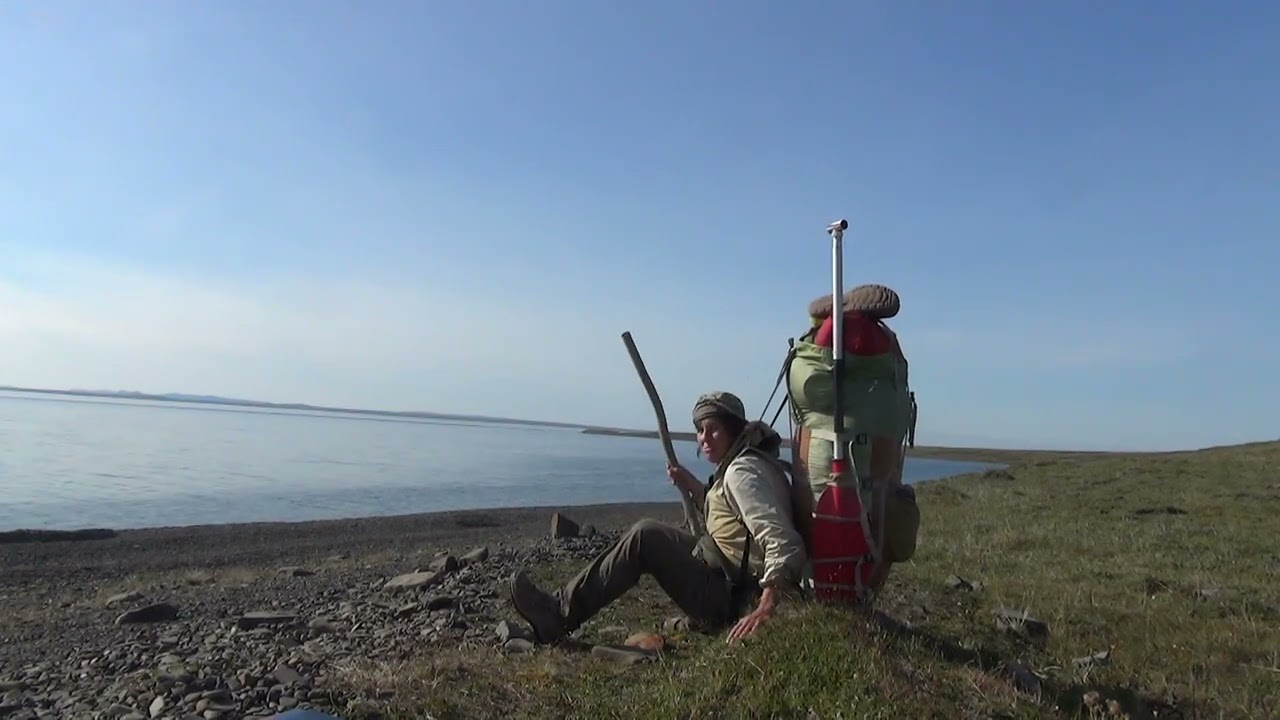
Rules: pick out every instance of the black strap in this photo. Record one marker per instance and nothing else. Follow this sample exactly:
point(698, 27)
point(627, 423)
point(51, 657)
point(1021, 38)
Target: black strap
point(744, 568)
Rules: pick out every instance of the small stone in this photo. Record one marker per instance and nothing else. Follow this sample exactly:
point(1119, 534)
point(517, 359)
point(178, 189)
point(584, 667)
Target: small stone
point(441, 602)
point(1020, 622)
point(477, 555)
point(675, 624)
point(295, 571)
point(288, 702)
point(286, 675)
point(622, 655)
point(157, 706)
point(218, 697)
point(198, 577)
point(413, 581)
point(1098, 658)
point(322, 625)
point(156, 612)
point(955, 582)
point(506, 631)
point(587, 531)
point(407, 610)
point(259, 618)
point(1023, 679)
point(124, 597)
point(443, 564)
point(517, 646)
point(651, 642)
point(562, 527)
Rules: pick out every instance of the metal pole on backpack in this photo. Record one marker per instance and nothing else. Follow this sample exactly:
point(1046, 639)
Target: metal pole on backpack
point(839, 463)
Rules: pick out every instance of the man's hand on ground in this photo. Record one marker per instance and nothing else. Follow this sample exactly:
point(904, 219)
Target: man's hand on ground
point(752, 621)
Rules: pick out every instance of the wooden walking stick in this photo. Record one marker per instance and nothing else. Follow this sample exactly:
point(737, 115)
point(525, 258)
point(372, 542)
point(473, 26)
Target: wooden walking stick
point(692, 519)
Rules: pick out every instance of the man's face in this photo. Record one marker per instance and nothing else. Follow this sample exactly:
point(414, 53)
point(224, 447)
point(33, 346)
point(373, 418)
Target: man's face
point(713, 439)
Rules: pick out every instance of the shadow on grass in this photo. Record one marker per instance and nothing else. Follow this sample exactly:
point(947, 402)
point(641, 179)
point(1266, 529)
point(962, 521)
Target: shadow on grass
point(1069, 700)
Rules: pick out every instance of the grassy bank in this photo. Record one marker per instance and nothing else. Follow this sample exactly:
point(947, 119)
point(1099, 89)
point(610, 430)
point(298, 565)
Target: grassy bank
point(1153, 575)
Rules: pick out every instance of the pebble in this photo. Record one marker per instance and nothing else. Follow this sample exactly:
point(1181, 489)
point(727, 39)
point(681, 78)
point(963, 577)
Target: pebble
point(156, 612)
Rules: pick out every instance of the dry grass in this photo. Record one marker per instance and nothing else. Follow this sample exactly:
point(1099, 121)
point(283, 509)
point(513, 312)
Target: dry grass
point(1167, 561)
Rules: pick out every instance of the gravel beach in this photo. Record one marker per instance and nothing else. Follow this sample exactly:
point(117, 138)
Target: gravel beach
point(234, 621)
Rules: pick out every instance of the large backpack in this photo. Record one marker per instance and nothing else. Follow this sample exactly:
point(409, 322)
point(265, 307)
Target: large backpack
point(879, 410)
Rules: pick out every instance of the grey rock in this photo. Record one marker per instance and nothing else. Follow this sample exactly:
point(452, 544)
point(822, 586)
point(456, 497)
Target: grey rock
point(441, 602)
point(156, 612)
point(1098, 658)
point(322, 625)
point(287, 675)
point(407, 609)
point(955, 582)
point(1023, 678)
point(517, 645)
point(507, 631)
point(675, 624)
point(260, 618)
point(562, 527)
point(124, 597)
point(444, 564)
point(1020, 622)
point(474, 557)
point(623, 655)
point(413, 581)
point(295, 571)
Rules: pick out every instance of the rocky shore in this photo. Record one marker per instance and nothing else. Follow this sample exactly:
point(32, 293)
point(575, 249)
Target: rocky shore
point(246, 621)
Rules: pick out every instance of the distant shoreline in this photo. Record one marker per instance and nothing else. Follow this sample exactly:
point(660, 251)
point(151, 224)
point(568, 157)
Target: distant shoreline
point(931, 452)
point(236, 402)
point(961, 454)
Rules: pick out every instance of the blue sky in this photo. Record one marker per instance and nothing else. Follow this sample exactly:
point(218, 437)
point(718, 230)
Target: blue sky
point(461, 206)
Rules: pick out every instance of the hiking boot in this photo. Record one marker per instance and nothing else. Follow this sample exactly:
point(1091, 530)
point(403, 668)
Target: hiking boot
point(540, 610)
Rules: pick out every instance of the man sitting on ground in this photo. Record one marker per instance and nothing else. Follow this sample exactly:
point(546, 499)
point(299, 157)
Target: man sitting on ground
point(750, 549)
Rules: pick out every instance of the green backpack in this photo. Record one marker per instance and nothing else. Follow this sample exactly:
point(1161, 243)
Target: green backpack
point(879, 415)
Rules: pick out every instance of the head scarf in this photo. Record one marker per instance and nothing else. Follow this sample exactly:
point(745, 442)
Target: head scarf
point(718, 402)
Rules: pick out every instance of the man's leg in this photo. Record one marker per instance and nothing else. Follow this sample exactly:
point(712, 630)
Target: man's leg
point(649, 547)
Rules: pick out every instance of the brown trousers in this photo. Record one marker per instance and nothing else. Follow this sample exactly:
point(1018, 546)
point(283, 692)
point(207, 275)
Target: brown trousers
point(668, 554)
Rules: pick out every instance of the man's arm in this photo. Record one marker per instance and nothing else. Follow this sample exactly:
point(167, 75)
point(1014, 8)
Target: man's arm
point(759, 497)
point(757, 492)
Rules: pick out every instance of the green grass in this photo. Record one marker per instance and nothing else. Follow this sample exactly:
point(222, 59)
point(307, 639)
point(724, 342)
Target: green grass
point(1169, 561)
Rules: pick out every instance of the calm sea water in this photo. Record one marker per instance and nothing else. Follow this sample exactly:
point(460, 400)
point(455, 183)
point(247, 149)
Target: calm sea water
point(83, 462)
